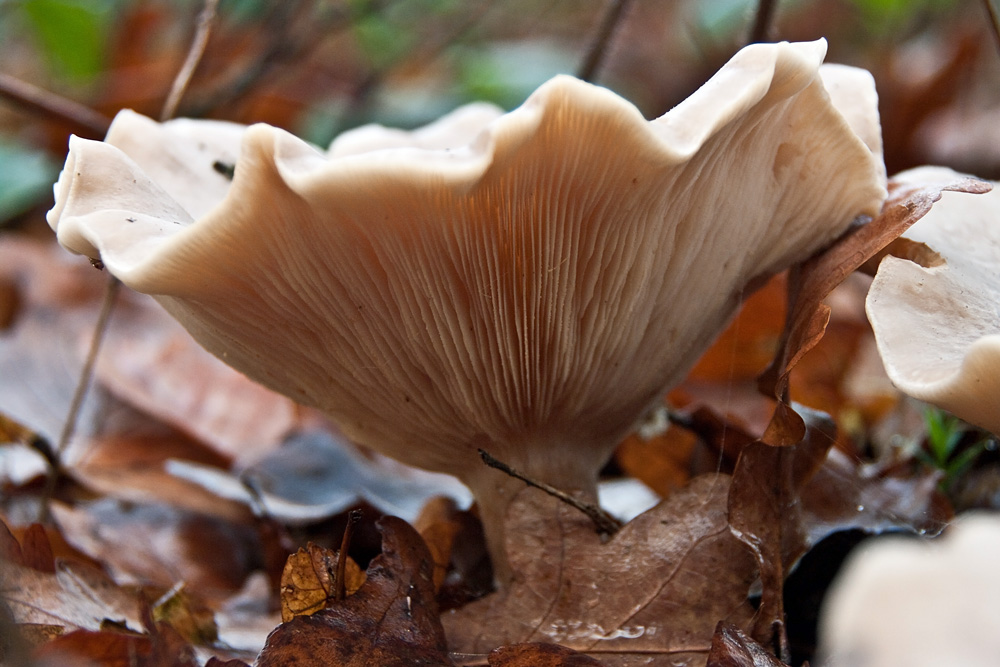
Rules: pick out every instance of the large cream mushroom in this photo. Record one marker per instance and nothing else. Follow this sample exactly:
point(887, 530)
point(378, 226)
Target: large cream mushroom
point(937, 323)
point(528, 283)
point(904, 602)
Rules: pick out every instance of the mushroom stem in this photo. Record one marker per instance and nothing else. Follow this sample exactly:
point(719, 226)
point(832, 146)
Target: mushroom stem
point(604, 522)
point(494, 489)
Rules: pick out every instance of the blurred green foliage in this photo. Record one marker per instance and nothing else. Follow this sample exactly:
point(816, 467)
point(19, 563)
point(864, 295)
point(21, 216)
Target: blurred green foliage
point(26, 175)
point(72, 34)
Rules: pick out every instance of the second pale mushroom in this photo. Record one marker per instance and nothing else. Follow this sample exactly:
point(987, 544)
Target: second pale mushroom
point(529, 283)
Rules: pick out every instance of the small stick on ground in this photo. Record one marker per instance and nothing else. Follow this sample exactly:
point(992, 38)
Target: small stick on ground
point(603, 522)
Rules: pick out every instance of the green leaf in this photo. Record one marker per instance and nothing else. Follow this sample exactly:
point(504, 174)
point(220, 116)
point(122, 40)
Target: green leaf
point(26, 176)
point(72, 34)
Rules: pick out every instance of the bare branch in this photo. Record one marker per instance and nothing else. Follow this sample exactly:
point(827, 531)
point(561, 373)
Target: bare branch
point(599, 46)
point(52, 105)
point(202, 32)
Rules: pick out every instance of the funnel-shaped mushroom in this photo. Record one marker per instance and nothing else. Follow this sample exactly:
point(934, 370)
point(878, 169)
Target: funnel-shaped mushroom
point(528, 283)
point(938, 326)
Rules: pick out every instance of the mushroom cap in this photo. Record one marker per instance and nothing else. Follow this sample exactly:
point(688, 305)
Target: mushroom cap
point(908, 603)
point(938, 327)
point(527, 282)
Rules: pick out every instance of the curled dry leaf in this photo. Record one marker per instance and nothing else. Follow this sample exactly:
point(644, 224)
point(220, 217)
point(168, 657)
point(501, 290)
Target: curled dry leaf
point(813, 280)
point(651, 595)
point(784, 500)
point(732, 648)
point(763, 496)
point(391, 621)
point(307, 582)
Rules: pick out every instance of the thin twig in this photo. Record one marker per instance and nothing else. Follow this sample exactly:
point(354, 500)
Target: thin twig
point(54, 106)
point(761, 28)
point(202, 32)
point(340, 580)
point(604, 522)
point(991, 10)
point(599, 47)
point(100, 328)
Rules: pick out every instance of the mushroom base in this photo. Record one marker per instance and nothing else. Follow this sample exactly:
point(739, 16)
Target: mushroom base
point(494, 490)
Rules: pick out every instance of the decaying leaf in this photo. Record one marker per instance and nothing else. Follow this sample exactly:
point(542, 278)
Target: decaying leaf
point(814, 279)
point(784, 500)
point(307, 582)
point(75, 597)
point(650, 595)
point(162, 647)
point(187, 615)
point(539, 654)
point(391, 621)
point(763, 496)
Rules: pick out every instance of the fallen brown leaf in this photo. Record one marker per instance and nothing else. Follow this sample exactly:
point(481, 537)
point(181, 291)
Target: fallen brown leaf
point(651, 595)
point(732, 648)
point(307, 581)
point(87, 648)
point(391, 621)
point(165, 545)
point(812, 281)
point(763, 511)
point(538, 654)
point(784, 500)
point(75, 597)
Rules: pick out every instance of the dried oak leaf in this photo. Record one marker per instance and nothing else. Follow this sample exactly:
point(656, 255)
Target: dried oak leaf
point(813, 280)
point(539, 654)
point(391, 621)
point(307, 582)
point(651, 595)
point(732, 648)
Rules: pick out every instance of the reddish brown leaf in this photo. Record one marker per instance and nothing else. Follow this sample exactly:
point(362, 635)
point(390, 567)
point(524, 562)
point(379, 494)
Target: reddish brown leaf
point(763, 511)
point(654, 591)
point(37, 550)
point(116, 649)
point(813, 280)
point(391, 621)
point(10, 548)
point(732, 648)
point(216, 662)
point(538, 654)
